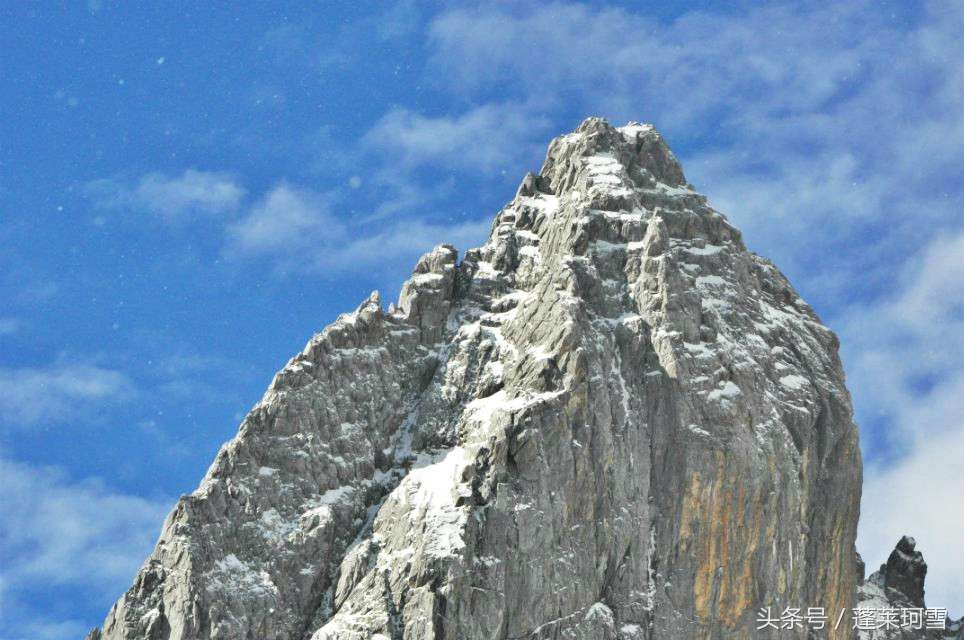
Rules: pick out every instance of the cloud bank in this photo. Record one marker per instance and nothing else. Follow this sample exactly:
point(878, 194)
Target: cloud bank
point(172, 197)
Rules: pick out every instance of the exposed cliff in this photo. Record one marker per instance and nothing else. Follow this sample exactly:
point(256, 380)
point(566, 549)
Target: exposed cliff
point(610, 421)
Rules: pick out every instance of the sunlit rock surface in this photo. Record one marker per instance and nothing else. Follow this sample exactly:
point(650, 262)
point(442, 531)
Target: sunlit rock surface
point(611, 421)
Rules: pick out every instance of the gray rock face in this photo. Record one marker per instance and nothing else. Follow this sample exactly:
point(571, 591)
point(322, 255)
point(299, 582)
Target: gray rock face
point(611, 421)
point(899, 585)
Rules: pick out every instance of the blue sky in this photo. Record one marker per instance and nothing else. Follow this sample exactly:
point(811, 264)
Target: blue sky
point(188, 192)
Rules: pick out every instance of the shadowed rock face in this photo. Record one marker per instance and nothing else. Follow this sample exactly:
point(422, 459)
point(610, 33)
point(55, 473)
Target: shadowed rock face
point(611, 421)
point(905, 571)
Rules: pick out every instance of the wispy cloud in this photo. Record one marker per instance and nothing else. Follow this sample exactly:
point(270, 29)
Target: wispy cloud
point(59, 391)
point(173, 197)
point(400, 242)
point(905, 351)
point(286, 220)
point(58, 532)
point(836, 123)
point(486, 138)
point(296, 230)
point(794, 57)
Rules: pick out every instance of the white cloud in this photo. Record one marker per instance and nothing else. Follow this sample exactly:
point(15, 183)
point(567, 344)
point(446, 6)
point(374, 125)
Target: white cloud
point(557, 44)
point(53, 393)
point(486, 138)
point(59, 532)
point(173, 197)
point(933, 300)
point(905, 350)
point(287, 220)
point(34, 289)
point(191, 191)
point(790, 57)
point(401, 194)
point(296, 230)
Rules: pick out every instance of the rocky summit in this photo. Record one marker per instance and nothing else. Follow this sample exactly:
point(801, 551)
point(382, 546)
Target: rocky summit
point(611, 421)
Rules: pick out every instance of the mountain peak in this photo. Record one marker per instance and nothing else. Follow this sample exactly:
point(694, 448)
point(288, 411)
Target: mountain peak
point(638, 149)
point(904, 572)
point(611, 420)
point(603, 195)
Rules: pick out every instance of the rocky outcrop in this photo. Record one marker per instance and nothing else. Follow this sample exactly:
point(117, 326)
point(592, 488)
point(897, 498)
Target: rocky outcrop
point(905, 571)
point(895, 595)
point(611, 421)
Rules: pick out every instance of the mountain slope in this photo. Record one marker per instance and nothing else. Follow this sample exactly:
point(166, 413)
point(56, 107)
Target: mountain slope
point(610, 421)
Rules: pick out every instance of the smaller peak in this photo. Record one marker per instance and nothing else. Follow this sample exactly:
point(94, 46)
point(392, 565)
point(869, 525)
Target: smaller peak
point(905, 571)
point(426, 297)
point(436, 260)
point(637, 146)
point(371, 304)
point(593, 124)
